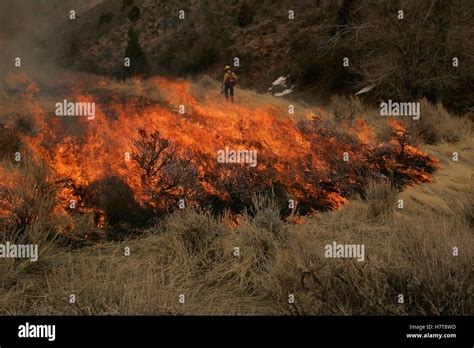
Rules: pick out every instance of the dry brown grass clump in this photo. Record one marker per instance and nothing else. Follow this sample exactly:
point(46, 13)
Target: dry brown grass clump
point(347, 107)
point(381, 200)
point(437, 125)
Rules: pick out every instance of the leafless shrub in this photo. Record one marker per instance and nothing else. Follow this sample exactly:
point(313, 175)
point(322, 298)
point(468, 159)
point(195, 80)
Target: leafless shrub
point(164, 170)
point(240, 183)
point(413, 55)
point(404, 59)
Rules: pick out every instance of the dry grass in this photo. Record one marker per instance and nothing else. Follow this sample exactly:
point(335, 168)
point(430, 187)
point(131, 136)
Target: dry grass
point(192, 253)
point(347, 108)
point(437, 125)
point(381, 200)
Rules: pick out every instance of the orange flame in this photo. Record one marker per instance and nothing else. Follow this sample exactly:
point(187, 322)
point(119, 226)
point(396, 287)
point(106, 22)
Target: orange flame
point(304, 163)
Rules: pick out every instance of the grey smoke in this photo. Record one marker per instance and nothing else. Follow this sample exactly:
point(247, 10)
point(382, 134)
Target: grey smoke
point(32, 30)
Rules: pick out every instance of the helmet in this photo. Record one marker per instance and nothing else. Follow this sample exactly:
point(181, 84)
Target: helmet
point(227, 67)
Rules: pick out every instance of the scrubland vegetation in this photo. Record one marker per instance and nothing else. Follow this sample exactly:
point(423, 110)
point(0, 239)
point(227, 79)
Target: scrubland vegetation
point(253, 258)
point(409, 251)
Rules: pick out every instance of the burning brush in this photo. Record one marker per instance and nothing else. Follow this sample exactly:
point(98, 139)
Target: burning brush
point(139, 157)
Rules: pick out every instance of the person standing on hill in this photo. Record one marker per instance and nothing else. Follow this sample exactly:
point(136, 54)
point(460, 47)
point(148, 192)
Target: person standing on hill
point(230, 79)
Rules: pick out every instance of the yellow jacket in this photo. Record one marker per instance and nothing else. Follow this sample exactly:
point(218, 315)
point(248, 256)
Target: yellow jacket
point(230, 78)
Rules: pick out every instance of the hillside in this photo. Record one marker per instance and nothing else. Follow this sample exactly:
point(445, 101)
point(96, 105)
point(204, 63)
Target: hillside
point(143, 186)
point(308, 44)
point(191, 251)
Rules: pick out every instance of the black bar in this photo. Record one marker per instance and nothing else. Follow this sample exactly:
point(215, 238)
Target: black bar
point(138, 330)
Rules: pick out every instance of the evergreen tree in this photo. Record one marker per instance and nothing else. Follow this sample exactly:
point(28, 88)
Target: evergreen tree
point(246, 14)
point(138, 63)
